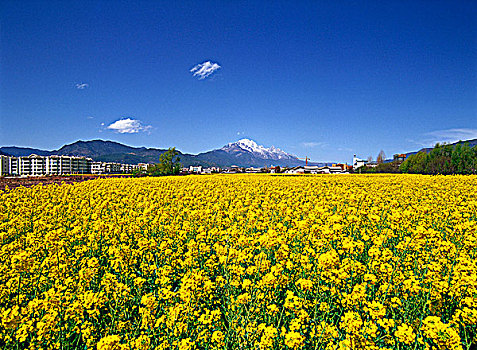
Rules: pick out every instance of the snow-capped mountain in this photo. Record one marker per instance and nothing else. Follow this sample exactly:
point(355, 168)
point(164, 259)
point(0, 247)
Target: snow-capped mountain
point(259, 151)
point(247, 153)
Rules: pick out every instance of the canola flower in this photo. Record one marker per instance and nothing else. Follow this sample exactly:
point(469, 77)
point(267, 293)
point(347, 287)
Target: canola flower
point(241, 262)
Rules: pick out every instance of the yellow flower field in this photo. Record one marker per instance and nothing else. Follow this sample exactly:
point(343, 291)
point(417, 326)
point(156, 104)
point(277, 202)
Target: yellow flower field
point(241, 262)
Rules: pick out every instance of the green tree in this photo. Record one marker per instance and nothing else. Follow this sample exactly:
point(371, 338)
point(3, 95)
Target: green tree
point(439, 160)
point(415, 163)
point(443, 159)
point(473, 165)
point(462, 159)
point(169, 164)
point(391, 167)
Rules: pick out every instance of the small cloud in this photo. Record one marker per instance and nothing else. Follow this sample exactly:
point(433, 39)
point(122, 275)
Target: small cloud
point(205, 69)
point(82, 86)
point(102, 124)
point(128, 126)
point(345, 149)
point(430, 139)
point(312, 144)
point(240, 133)
point(89, 117)
point(450, 135)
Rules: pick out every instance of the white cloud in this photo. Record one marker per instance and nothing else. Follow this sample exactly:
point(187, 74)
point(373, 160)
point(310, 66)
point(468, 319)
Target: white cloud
point(89, 117)
point(313, 144)
point(203, 70)
point(453, 135)
point(345, 149)
point(128, 126)
point(429, 139)
point(82, 86)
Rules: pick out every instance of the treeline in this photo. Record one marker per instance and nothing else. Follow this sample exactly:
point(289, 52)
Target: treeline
point(389, 167)
point(442, 159)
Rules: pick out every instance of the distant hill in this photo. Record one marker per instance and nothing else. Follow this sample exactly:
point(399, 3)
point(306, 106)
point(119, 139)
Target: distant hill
point(95, 148)
point(243, 153)
point(24, 151)
point(110, 151)
point(99, 150)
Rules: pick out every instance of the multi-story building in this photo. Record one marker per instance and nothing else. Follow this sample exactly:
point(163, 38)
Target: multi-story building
point(98, 168)
point(59, 165)
point(33, 165)
point(38, 165)
point(13, 162)
point(129, 168)
point(113, 168)
point(81, 165)
point(4, 165)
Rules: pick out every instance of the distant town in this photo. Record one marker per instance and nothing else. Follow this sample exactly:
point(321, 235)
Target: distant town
point(37, 165)
point(456, 158)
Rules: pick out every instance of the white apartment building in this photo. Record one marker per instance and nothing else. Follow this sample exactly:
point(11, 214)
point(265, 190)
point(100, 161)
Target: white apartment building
point(35, 165)
point(129, 168)
point(111, 168)
point(98, 168)
point(57, 165)
point(13, 162)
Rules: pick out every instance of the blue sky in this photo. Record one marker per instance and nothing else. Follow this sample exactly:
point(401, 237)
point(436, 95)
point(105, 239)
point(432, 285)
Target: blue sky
point(323, 79)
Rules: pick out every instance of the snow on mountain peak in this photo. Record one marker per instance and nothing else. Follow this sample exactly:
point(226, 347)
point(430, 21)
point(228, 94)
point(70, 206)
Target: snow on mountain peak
point(260, 151)
point(250, 145)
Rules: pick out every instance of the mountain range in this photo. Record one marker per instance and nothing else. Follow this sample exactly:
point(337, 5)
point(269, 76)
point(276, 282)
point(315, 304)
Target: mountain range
point(243, 153)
